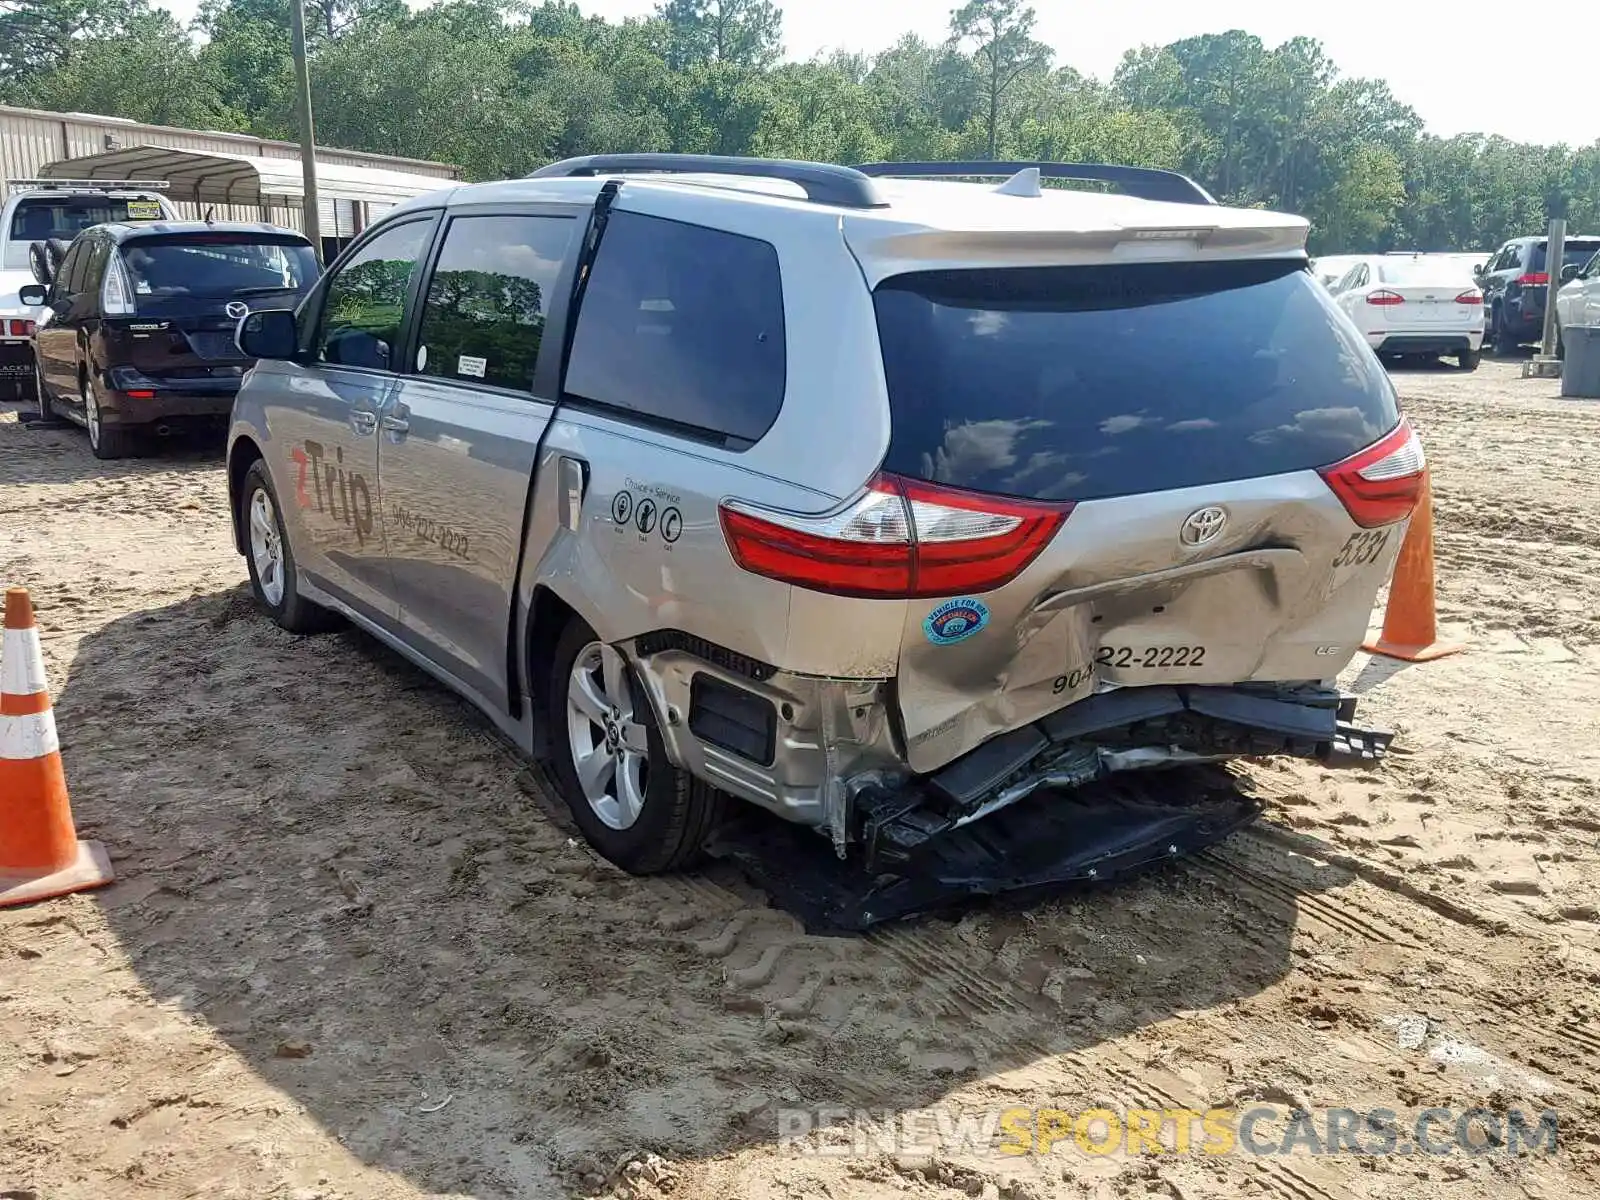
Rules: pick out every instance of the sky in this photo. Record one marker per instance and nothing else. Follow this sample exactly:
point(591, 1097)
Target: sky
point(1431, 54)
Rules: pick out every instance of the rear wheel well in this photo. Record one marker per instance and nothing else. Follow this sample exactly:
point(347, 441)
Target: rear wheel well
point(549, 615)
point(243, 453)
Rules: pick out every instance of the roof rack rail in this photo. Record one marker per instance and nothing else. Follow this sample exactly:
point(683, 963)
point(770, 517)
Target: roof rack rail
point(1147, 183)
point(98, 185)
point(823, 183)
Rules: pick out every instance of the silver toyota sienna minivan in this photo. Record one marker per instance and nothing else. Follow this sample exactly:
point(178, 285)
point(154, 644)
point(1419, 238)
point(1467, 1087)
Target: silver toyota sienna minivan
point(880, 498)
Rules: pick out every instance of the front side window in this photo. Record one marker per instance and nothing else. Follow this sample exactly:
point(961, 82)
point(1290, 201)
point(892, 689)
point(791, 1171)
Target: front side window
point(364, 304)
point(682, 326)
point(484, 313)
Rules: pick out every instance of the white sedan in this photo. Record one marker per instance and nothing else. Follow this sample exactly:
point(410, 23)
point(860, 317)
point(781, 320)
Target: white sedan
point(1415, 306)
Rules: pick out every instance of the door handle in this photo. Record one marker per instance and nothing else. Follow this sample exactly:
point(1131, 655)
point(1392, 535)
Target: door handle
point(394, 424)
point(362, 421)
point(574, 482)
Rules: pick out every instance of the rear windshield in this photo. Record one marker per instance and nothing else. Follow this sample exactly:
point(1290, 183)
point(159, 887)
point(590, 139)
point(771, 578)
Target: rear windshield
point(66, 217)
point(1573, 252)
point(1087, 382)
point(1423, 271)
point(213, 265)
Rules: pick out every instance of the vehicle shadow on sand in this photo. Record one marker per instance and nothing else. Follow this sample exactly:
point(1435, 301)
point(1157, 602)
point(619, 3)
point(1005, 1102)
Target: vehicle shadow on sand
point(333, 863)
point(61, 449)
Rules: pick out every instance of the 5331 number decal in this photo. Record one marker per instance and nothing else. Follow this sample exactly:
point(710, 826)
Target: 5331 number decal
point(1362, 548)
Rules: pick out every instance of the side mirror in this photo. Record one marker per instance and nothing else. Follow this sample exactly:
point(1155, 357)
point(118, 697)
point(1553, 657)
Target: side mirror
point(34, 295)
point(1570, 272)
point(269, 333)
point(1479, 269)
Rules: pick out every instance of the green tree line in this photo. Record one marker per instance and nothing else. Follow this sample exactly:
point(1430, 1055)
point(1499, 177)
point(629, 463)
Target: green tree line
point(501, 86)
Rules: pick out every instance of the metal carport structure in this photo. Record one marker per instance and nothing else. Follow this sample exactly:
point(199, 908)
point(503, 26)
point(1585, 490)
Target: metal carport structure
point(247, 187)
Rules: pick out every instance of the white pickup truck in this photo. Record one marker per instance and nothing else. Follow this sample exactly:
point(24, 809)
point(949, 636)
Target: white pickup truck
point(42, 210)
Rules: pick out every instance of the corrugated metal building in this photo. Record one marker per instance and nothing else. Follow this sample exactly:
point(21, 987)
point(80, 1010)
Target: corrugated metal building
point(30, 140)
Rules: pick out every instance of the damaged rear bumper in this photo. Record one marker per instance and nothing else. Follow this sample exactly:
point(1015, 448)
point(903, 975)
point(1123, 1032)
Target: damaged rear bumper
point(1051, 840)
point(1126, 729)
point(1069, 799)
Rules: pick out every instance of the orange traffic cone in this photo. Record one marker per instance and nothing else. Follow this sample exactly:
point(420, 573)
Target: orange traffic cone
point(40, 854)
point(1410, 623)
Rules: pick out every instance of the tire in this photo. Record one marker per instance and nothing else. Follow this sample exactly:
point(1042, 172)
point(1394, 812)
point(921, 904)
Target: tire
point(1504, 344)
point(105, 441)
point(675, 811)
point(47, 411)
point(281, 600)
point(1468, 360)
point(39, 263)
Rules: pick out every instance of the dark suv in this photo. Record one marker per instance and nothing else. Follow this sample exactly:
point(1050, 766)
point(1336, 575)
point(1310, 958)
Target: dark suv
point(140, 332)
point(1515, 283)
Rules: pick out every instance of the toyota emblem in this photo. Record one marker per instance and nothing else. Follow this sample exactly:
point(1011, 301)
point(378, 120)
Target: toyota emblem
point(1202, 526)
point(237, 309)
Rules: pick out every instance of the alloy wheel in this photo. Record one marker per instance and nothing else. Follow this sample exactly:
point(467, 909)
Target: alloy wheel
point(266, 549)
point(91, 414)
point(610, 749)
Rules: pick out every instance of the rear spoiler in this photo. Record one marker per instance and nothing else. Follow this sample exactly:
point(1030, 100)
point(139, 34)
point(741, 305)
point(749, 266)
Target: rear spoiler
point(1146, 183)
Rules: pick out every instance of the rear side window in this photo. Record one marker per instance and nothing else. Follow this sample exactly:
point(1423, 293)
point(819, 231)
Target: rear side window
point(95, 255)
point(70, 273)
point(1080, 383)
point(483, 318)
point(682, 326)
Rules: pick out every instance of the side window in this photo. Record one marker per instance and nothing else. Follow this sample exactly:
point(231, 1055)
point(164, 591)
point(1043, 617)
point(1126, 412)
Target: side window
point(94, 266)
point(69, 275)
point(1348, 280)
point(483, 317)
point(364, 303)
point(682, 325)
point(1592, 267)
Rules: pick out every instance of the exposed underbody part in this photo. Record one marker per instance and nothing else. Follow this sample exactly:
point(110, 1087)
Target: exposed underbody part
point(1113, 784)
point(1054, 839)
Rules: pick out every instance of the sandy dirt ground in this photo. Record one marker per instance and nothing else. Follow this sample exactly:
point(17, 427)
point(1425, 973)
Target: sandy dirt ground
point(355, 952)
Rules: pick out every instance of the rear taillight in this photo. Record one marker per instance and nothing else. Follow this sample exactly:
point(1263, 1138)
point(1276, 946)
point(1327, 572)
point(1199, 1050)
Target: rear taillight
point(902, 538)
point(16, 328)
point(1381, 484)
point(1384, 296)
point(1472, 296)
point(1533, 279)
